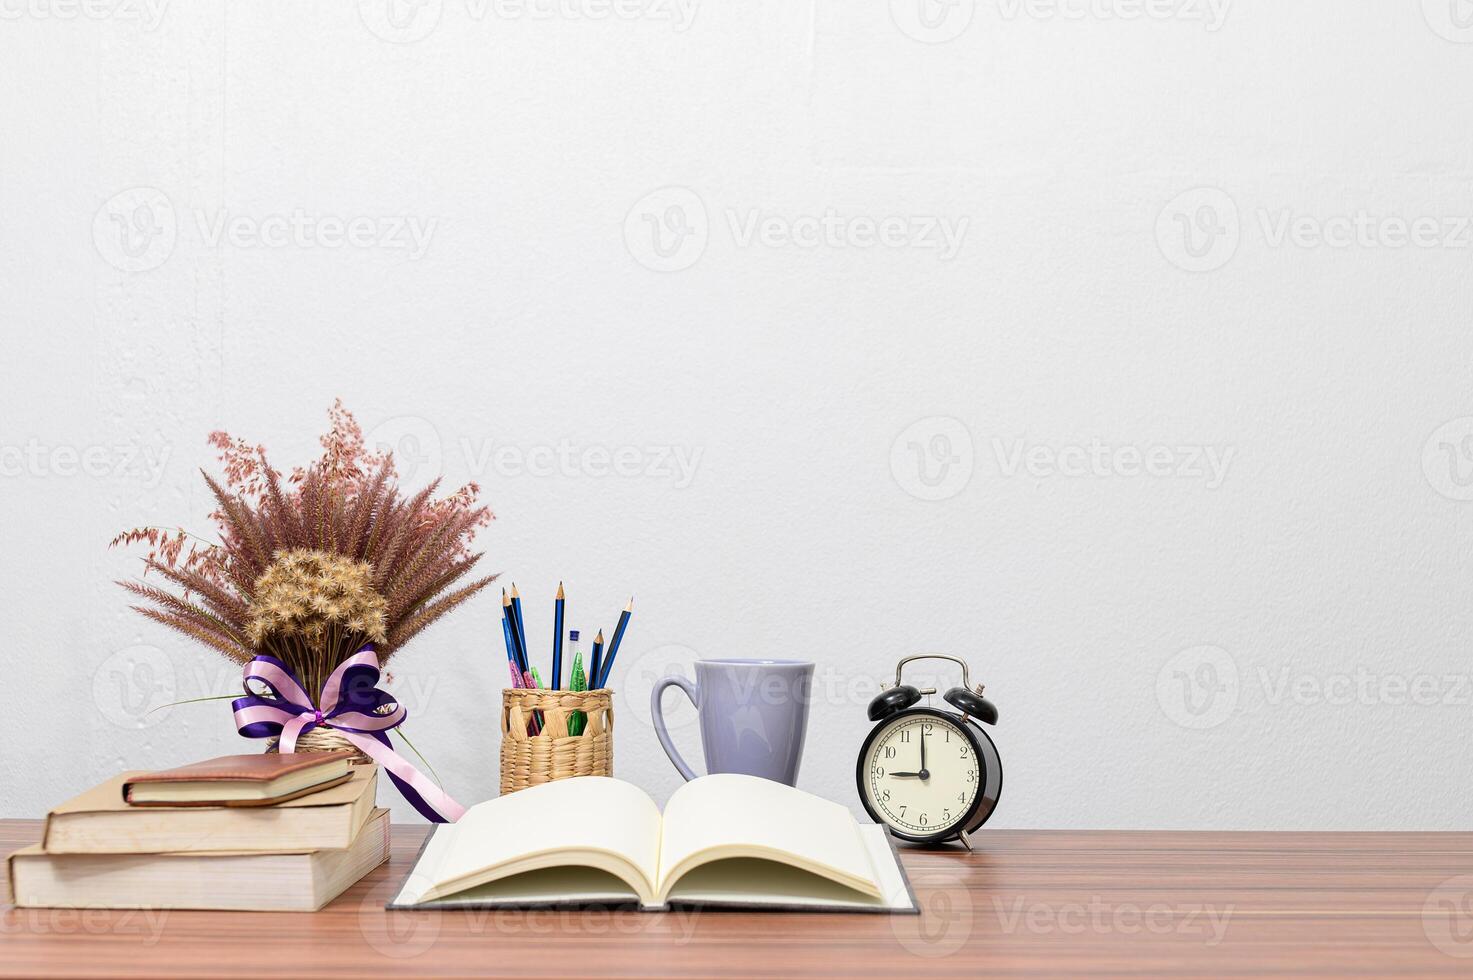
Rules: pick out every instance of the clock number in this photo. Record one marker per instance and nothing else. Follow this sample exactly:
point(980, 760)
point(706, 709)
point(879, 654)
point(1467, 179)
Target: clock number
point(905, 735)
point(946, 815)
point(961, 797)
point(879, 772)
point(902, 809)
point(964, 751)
point(948, 736)
point(922, 820)
point(927, 727)
point(971, 775)
point(889, 751)
point(885, 795)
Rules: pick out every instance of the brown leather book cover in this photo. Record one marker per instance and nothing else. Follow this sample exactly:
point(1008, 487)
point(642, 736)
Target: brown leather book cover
point(101, 821)
point(242, 770)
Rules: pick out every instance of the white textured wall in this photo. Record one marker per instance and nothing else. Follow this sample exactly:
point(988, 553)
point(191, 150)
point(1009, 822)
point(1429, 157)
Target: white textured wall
point(1121, 347)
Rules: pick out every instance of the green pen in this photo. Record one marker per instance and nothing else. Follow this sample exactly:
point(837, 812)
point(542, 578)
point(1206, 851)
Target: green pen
point(577, 719)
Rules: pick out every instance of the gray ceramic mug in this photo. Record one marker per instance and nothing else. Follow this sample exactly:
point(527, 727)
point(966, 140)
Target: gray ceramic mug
point(753, 715)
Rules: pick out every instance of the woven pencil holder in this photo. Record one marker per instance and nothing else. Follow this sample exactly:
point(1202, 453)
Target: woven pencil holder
point(530, 760)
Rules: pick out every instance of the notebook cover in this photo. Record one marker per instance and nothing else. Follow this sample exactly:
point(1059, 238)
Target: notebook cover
point(244, 769)
point(634, 905)
point(258, 767)
point(107, 797)
point(268, 801)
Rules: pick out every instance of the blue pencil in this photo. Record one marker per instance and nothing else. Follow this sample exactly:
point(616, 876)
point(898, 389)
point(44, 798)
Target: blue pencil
point(595, 666)
point(608, 664)
point(520, 626)
point(511, 662)
point(557, 640)
point(509, 612)
point(511, 652)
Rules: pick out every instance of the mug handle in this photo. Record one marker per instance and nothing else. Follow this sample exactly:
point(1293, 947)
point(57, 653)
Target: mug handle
point(657, 715)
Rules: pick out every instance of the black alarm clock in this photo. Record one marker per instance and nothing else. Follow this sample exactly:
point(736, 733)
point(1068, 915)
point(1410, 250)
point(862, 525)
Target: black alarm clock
point(930, 775)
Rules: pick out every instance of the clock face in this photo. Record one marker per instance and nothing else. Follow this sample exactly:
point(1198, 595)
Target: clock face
point(920, 774)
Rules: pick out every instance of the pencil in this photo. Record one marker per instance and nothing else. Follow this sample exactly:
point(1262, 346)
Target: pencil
point(608, 665)
point(518, 679)
point(557, 639)
point(529, 681)
point(511, 650)
point(510, 612)
point(596, 664)
point(511, 660)
point(520, 625)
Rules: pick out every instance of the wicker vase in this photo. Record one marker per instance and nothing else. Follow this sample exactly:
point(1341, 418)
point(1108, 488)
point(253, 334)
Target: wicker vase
point(528, 760)
point(321, 739)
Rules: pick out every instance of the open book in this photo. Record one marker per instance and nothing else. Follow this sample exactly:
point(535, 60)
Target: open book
point(723, 840)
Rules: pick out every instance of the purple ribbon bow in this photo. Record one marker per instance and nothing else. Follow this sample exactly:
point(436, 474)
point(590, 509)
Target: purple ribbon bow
point(352, 705)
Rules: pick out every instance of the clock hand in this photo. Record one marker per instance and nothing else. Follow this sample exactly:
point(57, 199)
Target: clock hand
point(924, 773)
point(903, 775)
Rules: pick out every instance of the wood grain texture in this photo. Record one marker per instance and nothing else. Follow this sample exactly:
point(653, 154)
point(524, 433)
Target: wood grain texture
point(1027, 903)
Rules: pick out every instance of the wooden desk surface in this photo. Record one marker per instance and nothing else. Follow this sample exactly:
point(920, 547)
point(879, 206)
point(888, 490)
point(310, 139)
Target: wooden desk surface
point(1030, 903)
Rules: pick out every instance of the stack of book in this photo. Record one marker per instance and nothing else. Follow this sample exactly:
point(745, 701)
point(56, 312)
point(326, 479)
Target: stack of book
point(246, 833)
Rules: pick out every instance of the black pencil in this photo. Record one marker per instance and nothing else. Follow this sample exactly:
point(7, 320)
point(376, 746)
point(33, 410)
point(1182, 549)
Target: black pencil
point(521, 628)
point(596, 664)
point(511, 617)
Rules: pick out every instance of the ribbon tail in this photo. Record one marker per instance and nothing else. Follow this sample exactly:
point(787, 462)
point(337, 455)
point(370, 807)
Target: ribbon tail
point(433, 803)
point(289, 732)
point(417, 801)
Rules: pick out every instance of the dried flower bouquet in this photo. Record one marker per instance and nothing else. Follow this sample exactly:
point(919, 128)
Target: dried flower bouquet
point(312, 569)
